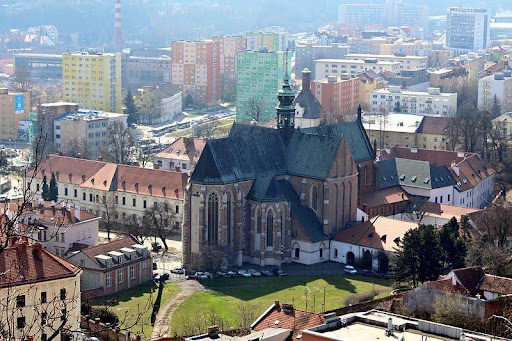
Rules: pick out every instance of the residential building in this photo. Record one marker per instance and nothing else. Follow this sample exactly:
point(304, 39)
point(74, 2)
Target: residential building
point(229, 46)
point(388, 201)
point(370, 81)
point(338, 95)
point(459, 72)
point(39, 65)
point(407, 48)
point(93, 80)
point(37, 286)
point(195, 70)
point(86, 129)
point(181, 155)
point(259, 76)
point(432, 133)
point(371, 45)
point(406, 62)
point(308, 110)
point(437, 214)
point(48, 112)
point(372, 242)
point(267, 334)
point(430, 103)
point(472, 180)
point(145, 71)
point(335, 67)
point(14, 113)
point(307, 53)
point(101, 188)
point(385, 130)
point(113, 267)
point(159, 104)
point(506, 121)
point(496, 89)
point(272, 41)
point(467, 29)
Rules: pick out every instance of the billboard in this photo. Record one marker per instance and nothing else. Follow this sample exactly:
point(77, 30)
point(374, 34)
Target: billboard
point(19, 104)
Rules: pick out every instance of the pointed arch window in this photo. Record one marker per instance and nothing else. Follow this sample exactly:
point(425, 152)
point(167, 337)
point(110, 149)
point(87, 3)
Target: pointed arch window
point(270, 228)
point(314, 198)
point(213, 219)
point(228, 219)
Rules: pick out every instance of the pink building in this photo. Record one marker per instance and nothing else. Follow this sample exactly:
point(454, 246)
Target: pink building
point(338, 95)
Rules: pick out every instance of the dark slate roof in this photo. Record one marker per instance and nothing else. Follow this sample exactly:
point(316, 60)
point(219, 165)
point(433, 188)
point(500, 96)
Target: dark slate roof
point(433, 125)
point(265, 188)
point(312, 108)
point(413, 173)
point(355, 134)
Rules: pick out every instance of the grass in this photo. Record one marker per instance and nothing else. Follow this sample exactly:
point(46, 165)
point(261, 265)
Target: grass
point(138, 303)
point(227, 301)
point(222, 130)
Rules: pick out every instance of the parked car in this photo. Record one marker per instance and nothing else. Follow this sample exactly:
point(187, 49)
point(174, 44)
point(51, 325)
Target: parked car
point(161, 278)
point(222, 274)
point(349, 269)
point(156, 246)
point(234, 274)
point(178, 271)
point(254, 273)
point(244, 273)
point(266, 273)
point(278, 272)
point(201, 275)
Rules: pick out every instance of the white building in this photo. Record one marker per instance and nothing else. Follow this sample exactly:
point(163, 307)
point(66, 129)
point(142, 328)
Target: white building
point(406, 62)
point(430, 103)
point(335, 67)
point(467, 29)
point(497, 86)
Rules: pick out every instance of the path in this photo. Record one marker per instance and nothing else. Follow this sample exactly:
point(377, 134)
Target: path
point(163, 319)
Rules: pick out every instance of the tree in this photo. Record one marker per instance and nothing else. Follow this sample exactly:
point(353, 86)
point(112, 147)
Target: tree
point(207, 130)
point(454, 247)
point(497, 220)
point(484, 252)
point(495, 108)
point(150, 108)
point(108, 217)
point(162, 221)
point(499, 140)
point(130, 108)
point(419, 256)
point(78, 148)
point(46, 192)
point(120, 143)
point(53, 192)
point(255, 109)
point(228, 90)
point(21, 81)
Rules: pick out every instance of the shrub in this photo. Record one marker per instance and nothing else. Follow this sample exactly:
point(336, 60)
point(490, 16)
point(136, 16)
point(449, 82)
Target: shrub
point(360, 298)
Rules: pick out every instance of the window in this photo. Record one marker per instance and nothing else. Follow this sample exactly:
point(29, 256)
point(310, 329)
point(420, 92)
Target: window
point(43, 296)
point(75, 194)
point(65, 191)
point(270, 229)
point(448, 197)
point(228, 219)
point(314, 198)
point(57, 238)
point(44, 318)
point(134, 202)
point(296, 252)
point(83, 196)
point(62, 239)
point(117, 199)
point(132, 271)
point(124, 201)
point(177, 209)
point(213, 219)
point(144, 203)
point(62, 294)
point(120, 276)
point(144, 265)
point(335, 253)
point(108, 279)
point(20, 322)
point(63, 314)
point(20, 301)
point(44, 337)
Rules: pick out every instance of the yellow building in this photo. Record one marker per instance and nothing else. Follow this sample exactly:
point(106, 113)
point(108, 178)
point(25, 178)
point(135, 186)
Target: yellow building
point(370, 81)
point(93, 80)
point(14, 110)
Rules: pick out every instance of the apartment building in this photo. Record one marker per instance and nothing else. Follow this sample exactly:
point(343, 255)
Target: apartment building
point(86, 128)
point(467, 29)
point(406, 62)
point(272, 41)
point(195, 70)
point(181, 155)
point(370, 80)
point(407, 47)
point(14, 112)
point(335, 67)
point(259, 76)
point(93, 80)
point(430, 103)
point(338, 94)
point(228, 49)
point(496, 87)
point(307, 53)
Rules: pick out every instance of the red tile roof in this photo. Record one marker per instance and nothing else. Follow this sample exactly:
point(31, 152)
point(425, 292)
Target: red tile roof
point(103, 249)
point(469, 278)
point(385, 196)
point(433, 125)
point(496, 284)
point(447, 286)
point(293, 319)
point(26, 263)
point(184, 148)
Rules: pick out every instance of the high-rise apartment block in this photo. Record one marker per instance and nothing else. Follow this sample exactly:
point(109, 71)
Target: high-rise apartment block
point(195, 69)
point(306, 54)
point(228, 49)
point(272, 41)
point(467, 29)
point(14, 111)
point(259, 77)
point(93, 80)
point(338, 95)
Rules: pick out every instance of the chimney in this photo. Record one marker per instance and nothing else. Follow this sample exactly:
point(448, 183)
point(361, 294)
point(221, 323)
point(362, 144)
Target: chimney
point(38, 251)
point(414, 150)
point(306, 80)
point(100, 158)
point(277, 305)
point(389, 329)
point(454, 280)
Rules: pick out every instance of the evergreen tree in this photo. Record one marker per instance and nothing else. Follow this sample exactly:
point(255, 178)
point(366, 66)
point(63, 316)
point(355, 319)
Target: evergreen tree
point(53, 193)
point(46, 193)
point(495, 107)
point(130, 108)
point(454, 247)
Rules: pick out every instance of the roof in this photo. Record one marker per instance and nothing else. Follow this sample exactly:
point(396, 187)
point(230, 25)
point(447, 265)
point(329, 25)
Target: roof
point(496, 284)
point(447, 211)
point(395, 122)
point(381, 56)
point(377, 233)
point(469, 277)
point(434, 125)
point(308, 101)
point(162, 91)
point(104, 249)
point(286, 316)
point(354, 61)
point(446, 285)
point(184, 148)
point(26, 263)
point(409, 92)
point(385, 196)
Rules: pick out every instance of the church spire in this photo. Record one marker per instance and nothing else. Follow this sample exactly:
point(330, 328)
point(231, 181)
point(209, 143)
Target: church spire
point(285, 109)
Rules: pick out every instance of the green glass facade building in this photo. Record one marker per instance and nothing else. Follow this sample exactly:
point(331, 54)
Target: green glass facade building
point(259, 76)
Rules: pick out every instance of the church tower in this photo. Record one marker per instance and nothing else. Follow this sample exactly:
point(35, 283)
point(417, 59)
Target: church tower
point(286, 109)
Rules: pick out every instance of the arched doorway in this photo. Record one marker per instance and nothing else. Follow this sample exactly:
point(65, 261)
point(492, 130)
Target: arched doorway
point(350, 258)
point(367, 259)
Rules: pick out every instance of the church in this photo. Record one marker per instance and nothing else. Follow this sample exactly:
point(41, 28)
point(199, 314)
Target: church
point(268, 196)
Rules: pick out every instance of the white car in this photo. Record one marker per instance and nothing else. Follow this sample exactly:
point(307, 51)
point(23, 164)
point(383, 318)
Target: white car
point(254, 273)
point(349, 269)
point(244, 273)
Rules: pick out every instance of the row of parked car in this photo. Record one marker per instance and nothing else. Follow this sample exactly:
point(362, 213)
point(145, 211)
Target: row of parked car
point(240, 273)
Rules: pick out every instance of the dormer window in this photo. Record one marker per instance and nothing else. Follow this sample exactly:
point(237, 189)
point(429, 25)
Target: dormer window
point(83, 178)
point(176, 191)
point(123, 184)
point(92, 181)
point(70, 176)
point(137, 187)
point(105, 183)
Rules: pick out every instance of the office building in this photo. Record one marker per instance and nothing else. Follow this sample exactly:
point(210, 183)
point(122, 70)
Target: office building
point(93, 80)
point(195, 70)
point(306, 54)
point(14, 110)
point(338, 95)
point(406, 62)
point(145, 71)
point(497, 87)
point(39, 66)
point(335, 67)
point(430, 103)
point(467, 29)
point(259, 77)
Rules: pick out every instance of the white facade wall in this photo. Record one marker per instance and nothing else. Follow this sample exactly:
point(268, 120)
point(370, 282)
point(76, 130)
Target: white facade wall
point(489, 88)
point(445, 192)
point(479, 196)
point(171, 107)
point(310, 252)
point(342, 249)
point(406, 62)
point(335, 67)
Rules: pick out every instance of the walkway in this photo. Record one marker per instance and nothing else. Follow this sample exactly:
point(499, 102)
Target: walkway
point(163, 319)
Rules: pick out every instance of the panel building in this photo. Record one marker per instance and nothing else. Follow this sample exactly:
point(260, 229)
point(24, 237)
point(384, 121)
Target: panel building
point(338, 95)
point(93, 80)
point(335, 67)
point(39, 65)
point(496, 87)
point(467, 29)
point(306, 54)
point(14, 111)
point(406, 62)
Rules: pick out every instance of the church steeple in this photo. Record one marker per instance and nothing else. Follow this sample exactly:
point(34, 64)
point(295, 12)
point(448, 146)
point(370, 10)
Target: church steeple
point(285, 109)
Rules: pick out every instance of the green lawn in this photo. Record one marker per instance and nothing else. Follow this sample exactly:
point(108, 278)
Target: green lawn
point(238, 301)
point(134, 306)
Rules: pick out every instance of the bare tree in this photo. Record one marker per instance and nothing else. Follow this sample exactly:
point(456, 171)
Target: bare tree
point(120, 143)
point(208, 130)
point(255, 108)
point(162, 221)
point(78, 148)
point(21, 81)
point(150, 108)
